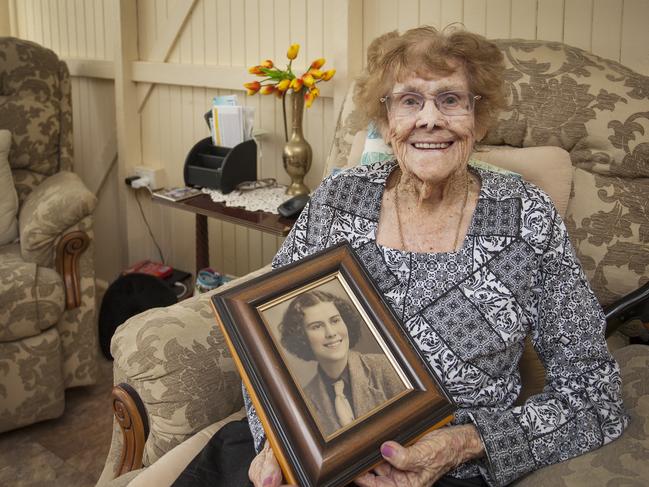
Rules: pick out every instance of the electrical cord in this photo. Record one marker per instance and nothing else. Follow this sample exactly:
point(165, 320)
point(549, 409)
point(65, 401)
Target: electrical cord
point(146, 222)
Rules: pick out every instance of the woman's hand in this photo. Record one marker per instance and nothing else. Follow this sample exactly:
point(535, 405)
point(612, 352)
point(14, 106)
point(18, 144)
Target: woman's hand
point(427, 460)
point(264, 470)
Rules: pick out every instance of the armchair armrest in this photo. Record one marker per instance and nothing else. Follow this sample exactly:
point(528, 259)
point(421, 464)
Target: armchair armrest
point(623, 461)
point(633, 306)
point(174, 372)
point(55, 205)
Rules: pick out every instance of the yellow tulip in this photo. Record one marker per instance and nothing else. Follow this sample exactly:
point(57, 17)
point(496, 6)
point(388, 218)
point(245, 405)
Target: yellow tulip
point(283, 85)
point(296, 84)
point(327, 75)
point(315, 91)
point(268, 64)
point(292, 51)
point(308, 80)
point(255, 70)
point(308, 97)
point(318, 63)
point(252, 87)
point(316, 73)
point(267, 89)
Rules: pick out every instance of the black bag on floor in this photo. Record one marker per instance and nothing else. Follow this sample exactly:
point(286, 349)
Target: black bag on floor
point(128, 296)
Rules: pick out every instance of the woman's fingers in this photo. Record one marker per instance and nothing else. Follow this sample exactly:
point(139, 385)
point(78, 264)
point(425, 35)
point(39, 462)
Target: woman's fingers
point(371, 480)
point(429, 453)
point(264, 470)
point(379, 476)
point(365, 480)
point(398, 456)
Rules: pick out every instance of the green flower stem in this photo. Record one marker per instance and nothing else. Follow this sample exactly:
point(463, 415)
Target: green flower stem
point(284, 113)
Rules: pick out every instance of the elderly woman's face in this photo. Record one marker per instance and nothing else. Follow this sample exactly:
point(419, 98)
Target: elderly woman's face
point(429, 144)
point(326, 332)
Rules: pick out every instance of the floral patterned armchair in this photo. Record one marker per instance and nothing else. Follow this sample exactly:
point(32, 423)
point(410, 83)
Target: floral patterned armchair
point(48, 333)
point(180, 384)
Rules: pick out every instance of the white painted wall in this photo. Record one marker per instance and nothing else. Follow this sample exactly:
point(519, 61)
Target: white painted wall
point(214, 45)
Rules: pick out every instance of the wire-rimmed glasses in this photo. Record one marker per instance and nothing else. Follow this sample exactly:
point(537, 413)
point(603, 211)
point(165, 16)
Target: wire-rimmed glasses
point(451, 103)
point(257, 184)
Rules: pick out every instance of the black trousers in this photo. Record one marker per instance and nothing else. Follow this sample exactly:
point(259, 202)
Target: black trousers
point(225, 460)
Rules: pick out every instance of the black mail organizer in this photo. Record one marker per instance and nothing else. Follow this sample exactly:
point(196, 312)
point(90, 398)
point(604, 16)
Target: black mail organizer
point(222, 168)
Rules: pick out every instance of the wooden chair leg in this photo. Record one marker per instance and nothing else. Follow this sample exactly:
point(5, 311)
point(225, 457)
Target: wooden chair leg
point(131, 416)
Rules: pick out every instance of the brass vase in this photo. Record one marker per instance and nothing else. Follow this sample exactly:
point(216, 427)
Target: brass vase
point(297, 152)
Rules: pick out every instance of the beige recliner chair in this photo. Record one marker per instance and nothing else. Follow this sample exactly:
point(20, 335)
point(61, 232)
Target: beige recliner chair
point(181, 384)
point(48, 333)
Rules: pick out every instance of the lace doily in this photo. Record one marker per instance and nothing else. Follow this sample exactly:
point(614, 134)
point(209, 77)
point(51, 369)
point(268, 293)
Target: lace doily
point(262, 199)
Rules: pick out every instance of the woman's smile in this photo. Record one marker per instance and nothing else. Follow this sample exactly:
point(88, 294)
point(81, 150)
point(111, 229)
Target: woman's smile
point(334, 344)
point(431, 145)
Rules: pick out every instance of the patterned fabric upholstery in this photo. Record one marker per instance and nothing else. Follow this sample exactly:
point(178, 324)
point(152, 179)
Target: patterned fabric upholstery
point(177, 361)
point(559, 96)
point(32, 298)
point(55, 205)
point(35, 105)
point(623, 462)
point(44, 347)
point(176, 355)
point(595, 109)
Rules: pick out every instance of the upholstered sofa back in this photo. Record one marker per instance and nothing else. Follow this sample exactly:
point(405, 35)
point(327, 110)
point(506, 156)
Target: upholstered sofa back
point(35, 106)
point(598, 111)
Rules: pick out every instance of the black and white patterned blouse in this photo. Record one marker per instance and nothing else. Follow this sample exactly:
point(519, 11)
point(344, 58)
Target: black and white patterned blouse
point(469, 312)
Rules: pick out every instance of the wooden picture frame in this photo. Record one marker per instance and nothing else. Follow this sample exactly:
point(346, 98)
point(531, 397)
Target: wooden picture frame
point(308, 452)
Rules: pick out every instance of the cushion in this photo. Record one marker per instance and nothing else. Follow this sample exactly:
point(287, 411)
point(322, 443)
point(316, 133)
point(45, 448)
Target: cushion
point(375, 149)
point(549, 168)
point(358, 147)
point(35, 106)
point(58, 203)
point(8, 196)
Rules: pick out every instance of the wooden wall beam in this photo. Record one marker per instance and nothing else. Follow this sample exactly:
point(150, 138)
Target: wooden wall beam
point(129, 142)
point(348, 48)
point(160, 52)
point(13, 18)
point(224, 77)
point(91, 68)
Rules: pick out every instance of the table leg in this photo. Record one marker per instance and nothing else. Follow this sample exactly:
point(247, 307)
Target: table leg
point(202, 243)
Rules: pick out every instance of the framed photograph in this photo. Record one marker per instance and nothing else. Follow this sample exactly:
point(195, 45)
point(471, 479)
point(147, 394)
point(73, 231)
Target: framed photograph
point(330, 371)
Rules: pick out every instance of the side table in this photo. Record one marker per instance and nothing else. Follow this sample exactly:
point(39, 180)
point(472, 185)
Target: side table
point(203, 207)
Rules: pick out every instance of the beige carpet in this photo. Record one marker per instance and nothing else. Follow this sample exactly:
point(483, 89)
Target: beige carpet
point(68, 451)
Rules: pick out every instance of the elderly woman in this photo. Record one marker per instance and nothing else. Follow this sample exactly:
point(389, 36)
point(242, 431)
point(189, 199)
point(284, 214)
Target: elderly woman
point(320, 326)
point(472, 262)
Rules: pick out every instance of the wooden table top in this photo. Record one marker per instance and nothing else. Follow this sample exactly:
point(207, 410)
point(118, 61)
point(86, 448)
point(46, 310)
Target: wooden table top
point(259, 220)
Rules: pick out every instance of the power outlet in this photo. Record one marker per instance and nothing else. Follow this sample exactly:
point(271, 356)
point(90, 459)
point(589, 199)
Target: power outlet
point(155, 175)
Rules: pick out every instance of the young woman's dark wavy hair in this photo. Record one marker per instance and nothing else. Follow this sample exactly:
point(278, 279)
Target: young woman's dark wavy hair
point(291, 329)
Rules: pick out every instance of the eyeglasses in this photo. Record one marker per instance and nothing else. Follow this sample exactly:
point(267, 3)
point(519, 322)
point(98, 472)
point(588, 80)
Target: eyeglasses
point(257, 184)
point(451, 103)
